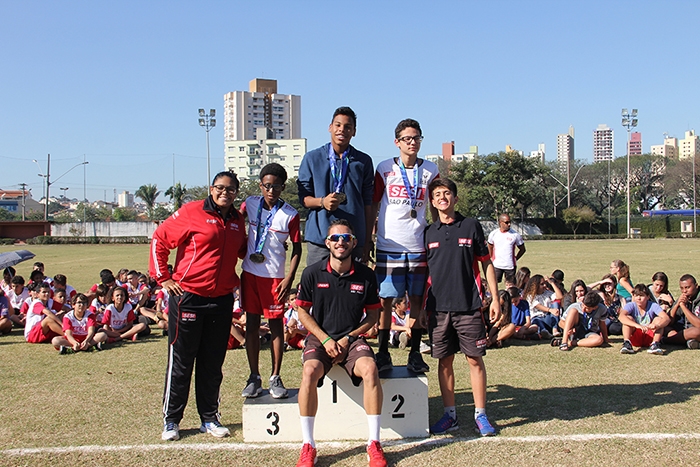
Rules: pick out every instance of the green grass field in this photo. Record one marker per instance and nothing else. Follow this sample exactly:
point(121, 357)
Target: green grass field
point(584, 407)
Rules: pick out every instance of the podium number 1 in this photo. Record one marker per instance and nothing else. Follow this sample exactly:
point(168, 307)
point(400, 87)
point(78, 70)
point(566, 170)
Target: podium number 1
point(398, 398)
point(275, 423)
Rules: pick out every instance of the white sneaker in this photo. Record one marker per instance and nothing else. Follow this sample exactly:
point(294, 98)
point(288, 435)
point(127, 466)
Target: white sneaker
point(171, 432)
point(424, 348)
point(215, 429)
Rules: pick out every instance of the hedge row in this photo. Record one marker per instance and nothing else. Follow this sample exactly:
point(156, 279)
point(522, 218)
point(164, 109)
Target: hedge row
point(46, 240)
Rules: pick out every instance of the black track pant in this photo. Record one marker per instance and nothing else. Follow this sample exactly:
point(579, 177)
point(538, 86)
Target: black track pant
point(198, 330)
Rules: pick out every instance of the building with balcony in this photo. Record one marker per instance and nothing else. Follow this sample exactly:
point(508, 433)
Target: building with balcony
point(565, 147)
point(668, 150)
point(689, 146)
point(247, 157)
point(603, 143)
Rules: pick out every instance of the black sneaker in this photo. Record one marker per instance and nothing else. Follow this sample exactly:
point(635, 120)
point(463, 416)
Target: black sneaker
point(383, 360)
point(416, 363)
point(627, 348)
point(655, 348)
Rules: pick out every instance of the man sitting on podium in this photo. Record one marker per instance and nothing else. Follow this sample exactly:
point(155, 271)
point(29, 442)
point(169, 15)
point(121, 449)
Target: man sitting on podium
point(345, 303)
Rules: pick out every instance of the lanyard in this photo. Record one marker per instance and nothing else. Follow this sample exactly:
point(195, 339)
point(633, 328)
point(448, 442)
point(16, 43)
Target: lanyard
point(338, 175)
point(411, 192)
point(261, 235)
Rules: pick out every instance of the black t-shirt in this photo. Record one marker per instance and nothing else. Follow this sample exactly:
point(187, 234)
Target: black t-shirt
point(338, 301)
point(454, 251)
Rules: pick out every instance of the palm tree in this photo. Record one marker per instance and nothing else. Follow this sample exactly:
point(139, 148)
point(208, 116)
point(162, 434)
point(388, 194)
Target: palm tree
point(148, 194)
point(178, 195)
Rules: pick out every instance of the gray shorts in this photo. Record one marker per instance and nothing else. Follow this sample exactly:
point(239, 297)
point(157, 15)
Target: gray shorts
point(451, 332)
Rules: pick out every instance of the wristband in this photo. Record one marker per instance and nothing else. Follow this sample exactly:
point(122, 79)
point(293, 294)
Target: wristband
point(350, 339)
point(326, 340)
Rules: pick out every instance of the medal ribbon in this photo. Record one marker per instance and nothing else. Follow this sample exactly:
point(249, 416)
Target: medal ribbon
point(412, 192)
point(262, 230)
point(338, 174)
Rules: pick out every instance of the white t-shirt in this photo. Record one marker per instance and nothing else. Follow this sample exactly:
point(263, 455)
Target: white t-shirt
point(397, 231)
point(399, 321)
point(16, 300)
point(504, 244)
point(545, 299)
point(285, 225)
point(118, 319)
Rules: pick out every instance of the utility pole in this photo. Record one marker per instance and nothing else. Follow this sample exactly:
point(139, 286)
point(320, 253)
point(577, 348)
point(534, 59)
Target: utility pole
point(24, 190)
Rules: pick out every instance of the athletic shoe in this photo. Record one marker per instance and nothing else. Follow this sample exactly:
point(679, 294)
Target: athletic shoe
point(416, 363)
point(383, 360)
point(627, 348)
point(424, 348)
point(215, 429)
point(375, 455)
point(277, 389)
point(483, 427)
point(253, 387)
point(445, 424)
point(307, 458)
point(693, 344)
point(655, 348)
point(171, 432)
point(134, 338)
point(403, 340)
point(64, 350)
point(99, 347)
point(546, 335)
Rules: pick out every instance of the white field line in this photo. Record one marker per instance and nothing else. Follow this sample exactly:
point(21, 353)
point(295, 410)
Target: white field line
point(343, 445)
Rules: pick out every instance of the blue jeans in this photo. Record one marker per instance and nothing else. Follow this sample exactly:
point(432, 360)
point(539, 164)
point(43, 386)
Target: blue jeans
point(546, 322)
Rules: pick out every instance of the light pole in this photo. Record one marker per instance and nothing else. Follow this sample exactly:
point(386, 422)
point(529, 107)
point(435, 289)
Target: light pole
point(207, 121)
point(629, 121)
point(49, 182)
point(43, 186)
point(64, 192)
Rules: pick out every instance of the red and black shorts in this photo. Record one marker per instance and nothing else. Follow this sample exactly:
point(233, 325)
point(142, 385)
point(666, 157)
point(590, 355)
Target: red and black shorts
point(314, 350)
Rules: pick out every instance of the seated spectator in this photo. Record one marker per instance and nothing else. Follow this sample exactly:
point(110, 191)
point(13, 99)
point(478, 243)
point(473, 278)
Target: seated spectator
point(60, 282)
point(39, 266)
point(643, 323)
point(607, 289)
point(137, 290)
point(522, 275)
point(79, 329)
point(558, 276)
point(582, 324)
point(100, 302)
point(520, 316)
point(106, 279)
point(659, 291)
point(685, 315)
point(60, 304)
point(17, 295)
point(400, 332)
point(32, 289)
point(540, 294)
point(295, 331)
point(42, 324)
point(119, 317)
point(121, 277)
point(575, 294)
point(6, 282)
point(37, 277)
point(503, 329)
point(5, 310)
point(624, 287)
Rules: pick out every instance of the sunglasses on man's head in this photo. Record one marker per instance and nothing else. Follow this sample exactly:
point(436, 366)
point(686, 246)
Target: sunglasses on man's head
point(346, 237)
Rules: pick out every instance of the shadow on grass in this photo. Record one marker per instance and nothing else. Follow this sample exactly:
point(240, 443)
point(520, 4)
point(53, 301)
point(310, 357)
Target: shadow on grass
point(574, 403)
point(234, 427)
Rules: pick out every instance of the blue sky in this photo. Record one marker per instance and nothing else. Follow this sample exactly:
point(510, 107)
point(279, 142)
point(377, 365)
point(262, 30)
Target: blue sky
point(119, 83)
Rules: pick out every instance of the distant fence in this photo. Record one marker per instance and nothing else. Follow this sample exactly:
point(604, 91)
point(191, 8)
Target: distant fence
point(104, 229)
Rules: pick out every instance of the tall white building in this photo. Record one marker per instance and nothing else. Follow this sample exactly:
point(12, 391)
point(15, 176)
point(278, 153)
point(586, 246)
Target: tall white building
point(247, 157)
point(689, 146)
point(539, 154)
point(126, 199)
point(261, 107)
point(565, 147)
point(603, 143)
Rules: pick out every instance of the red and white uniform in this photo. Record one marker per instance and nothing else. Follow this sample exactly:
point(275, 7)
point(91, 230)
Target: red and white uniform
point(98, 308)
point(397, 231)
point(35, 313)
point(399, 321)
point(284, 226)
point(79, 327)
point(17, 300)
point(165, 297)
point(70, 291)
point(504, 244)
point(134, 292)
point(118, 319)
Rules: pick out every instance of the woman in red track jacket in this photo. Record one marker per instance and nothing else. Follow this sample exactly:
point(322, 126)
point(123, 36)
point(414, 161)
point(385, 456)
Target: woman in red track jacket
point(210, 237)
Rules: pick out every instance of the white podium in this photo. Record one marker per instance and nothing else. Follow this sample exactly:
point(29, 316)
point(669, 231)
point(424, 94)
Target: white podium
point(341, 413)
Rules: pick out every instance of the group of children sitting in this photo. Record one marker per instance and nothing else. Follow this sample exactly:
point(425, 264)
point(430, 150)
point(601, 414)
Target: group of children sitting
point(50, 310)
point(535, 307)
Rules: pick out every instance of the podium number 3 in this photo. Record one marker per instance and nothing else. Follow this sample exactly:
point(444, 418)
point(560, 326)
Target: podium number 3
point(398, 398)
point(275, 423)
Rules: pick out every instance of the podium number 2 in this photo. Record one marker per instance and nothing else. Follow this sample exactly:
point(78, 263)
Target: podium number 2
point(398, 398)
point(275, 423)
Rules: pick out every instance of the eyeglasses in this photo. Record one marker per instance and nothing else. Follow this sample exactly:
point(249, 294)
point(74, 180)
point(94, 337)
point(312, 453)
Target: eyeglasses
point(272, 186)
point(228, 189)
point(408, 139)
point(346, 237)
point(506, 222)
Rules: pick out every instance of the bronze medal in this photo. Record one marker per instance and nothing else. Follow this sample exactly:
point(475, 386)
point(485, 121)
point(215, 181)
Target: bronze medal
point(257, 258)
point(414, 214)
point(342, 197)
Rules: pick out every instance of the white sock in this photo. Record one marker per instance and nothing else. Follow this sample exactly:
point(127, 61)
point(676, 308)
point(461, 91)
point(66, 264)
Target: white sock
point(307, 430)
point(375, 424)
point(451, 411)
point(478, 412)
